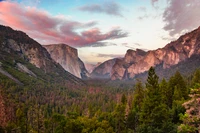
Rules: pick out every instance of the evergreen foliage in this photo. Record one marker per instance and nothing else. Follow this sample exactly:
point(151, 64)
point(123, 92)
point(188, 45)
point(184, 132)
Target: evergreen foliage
point(57, 107)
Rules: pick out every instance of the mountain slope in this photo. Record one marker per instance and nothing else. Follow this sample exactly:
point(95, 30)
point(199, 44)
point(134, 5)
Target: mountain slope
point(103, 70)
point(91, 67)
point(138, 61)
point(68, 58)
point(172, 54)
point(18, 50)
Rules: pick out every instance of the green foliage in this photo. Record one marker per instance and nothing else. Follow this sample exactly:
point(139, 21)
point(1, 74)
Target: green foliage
point(154, 116)
point(178, 86)
point(42, 106)
point(196, 77)
point(152, 80)
point(191, 117)
point(139, 95)
point(124, 99)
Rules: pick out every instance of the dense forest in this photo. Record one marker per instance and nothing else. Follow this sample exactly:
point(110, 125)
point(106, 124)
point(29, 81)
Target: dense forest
point(156, 106)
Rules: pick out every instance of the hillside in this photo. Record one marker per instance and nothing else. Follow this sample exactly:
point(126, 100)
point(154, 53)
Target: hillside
point(20, 53)
point(136, 62)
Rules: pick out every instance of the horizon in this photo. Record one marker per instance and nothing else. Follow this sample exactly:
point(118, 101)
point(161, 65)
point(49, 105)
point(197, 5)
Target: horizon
point(102, 30)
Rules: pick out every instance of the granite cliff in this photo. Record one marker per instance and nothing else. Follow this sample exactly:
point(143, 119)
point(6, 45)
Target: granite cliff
point(139, 61)
point(103, 70)
point(21, 49)
point(68, 58)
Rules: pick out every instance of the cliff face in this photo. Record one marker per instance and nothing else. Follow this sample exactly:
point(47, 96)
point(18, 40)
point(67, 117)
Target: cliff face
point(16, 43)
point(103, 70)
point(68, 58)
point(136, 62)
point(91, 67)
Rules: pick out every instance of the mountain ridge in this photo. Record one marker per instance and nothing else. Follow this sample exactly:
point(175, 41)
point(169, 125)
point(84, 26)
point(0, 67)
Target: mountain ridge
point(139, 61)
point(67, 57)
point(17, 47)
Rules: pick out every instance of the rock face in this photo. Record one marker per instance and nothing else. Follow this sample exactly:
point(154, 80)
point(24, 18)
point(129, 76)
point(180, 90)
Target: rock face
point(16, 43)
point(68, 58)
point(23, 68)
point(90, 67)
point(19, 43)
point(103, 70)
point(138, 61)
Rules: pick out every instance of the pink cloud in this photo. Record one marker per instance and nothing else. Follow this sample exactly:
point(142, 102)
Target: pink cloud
point(181, 16)
point(46, 28)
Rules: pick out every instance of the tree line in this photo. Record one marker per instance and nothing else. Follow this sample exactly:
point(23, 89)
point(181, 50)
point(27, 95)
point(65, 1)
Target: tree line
point(168, 106)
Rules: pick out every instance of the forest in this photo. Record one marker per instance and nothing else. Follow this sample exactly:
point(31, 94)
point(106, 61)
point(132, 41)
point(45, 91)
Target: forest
point(154, 106)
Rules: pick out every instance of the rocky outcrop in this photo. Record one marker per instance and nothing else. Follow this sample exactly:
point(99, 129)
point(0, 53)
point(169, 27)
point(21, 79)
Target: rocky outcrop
point(103, 70)
point(16, 44)
point(68, 58)
point(91, 67)
point(23, 68)
point(10, 76)
point(138, 61)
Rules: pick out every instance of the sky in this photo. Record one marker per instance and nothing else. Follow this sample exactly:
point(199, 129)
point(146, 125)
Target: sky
point(102, 29)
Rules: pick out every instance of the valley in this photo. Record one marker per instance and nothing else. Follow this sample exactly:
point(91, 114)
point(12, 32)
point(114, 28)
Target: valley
point(47, 88)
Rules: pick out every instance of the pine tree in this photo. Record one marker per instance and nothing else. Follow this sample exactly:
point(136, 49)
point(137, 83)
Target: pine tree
point(196, 77)
point(139, 95)
point(154, 112)
point(165, 92)
point(133, 116)
point(177, 83)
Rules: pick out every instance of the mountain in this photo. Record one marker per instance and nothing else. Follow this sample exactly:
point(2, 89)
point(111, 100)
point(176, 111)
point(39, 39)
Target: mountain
point(18, 52)
point(136, 62)
point(103, 70)
point(91, 67)
point(68, 58)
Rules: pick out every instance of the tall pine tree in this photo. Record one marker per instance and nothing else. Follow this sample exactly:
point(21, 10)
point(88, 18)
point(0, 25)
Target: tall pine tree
point(154, 113)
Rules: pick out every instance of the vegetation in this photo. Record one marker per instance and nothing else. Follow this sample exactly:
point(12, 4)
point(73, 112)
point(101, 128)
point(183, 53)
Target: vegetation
point(45, 105)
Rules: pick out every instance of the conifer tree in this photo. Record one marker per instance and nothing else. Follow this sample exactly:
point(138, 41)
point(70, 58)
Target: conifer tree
point(154, 112)
point(178, 85)
point(133, 116)
point(196, 77)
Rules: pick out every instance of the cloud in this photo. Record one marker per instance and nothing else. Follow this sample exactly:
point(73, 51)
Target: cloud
point(110, 55)
point(153, 2)
point(133, 46)
point(109, 8)
point(181, 16)
point(142, 8)
point(103, 44)
point(143, 17)
point(168, 38)
point(46, 28)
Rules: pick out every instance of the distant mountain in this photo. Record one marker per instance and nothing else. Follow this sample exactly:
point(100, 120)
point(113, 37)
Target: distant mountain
point(91, 67)
point(68, 58)
point(103, 70)
point(18, 50)
point(167, 59)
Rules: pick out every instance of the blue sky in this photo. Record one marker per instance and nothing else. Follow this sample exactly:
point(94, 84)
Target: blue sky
point(102, 29)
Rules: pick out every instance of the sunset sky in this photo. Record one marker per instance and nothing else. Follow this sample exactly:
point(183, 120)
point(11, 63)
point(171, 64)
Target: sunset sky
point(102, 29)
